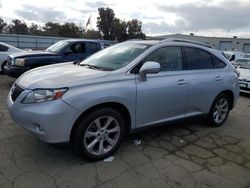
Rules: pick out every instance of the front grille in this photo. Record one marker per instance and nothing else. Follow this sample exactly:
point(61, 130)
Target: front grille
point(244, 80)
point(15, 92)
point(245, 89)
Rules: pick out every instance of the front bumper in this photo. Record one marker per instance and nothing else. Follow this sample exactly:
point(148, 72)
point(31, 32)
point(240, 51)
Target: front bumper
point(50, 121)
point(14, 71)
point(244, 85)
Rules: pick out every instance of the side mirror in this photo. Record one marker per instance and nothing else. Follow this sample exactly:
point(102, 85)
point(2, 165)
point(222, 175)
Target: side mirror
point(149, 67)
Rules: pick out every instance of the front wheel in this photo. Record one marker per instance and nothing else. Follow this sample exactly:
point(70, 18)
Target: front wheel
point(4, 63)
point(99, 134)
point(219, 110)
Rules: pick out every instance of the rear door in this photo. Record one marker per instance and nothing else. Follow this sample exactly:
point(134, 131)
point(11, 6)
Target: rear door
point(163, 96)
point(206, 79)
point(93, 47)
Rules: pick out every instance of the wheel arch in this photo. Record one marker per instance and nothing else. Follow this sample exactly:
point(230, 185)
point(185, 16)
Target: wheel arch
point(3, 65)
point(122, 109)
point(230, 94)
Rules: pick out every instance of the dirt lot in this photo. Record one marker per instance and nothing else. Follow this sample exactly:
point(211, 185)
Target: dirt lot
point(187, 154)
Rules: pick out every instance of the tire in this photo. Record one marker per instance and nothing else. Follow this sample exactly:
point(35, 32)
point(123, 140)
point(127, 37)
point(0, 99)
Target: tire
point(219, 110)
point(4, 63)
point(92, 140)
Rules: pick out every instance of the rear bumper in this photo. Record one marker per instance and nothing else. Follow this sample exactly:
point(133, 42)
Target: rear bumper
point(14, 71)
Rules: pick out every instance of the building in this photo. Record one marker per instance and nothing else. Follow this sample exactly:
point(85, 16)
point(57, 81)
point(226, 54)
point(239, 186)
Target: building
point(221, 43)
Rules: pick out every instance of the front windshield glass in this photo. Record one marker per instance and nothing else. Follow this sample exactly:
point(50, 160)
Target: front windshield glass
point(244, 64)
point(116, 57)
point(240, 62)
point(57, 47)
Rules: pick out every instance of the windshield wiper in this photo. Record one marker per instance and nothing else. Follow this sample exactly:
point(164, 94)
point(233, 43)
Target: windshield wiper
point(92, 66)
point(77, 62)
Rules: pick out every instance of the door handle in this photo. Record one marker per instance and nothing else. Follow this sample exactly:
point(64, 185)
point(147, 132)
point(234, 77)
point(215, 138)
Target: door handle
point(218, 78)
point(181, 82)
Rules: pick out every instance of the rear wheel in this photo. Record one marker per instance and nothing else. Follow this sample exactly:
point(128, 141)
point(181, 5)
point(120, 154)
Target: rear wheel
point(219, 110)
point(99, 134)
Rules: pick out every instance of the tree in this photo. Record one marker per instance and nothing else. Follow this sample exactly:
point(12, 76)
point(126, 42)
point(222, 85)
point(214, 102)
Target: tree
point(35, 29)
point(112, 28)
point(70, 30)
point(134, 29)
point(18, 27)
point(105, 22)
point(92, 34)
point(119, 30)
point(51, 29)
point(3, 25)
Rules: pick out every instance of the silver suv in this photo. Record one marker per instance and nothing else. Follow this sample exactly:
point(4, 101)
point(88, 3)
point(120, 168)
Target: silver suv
point(136, 84)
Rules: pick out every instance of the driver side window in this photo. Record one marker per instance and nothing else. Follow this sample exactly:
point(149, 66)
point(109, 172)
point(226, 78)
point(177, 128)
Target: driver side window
point(77, 48)
point(170, 58)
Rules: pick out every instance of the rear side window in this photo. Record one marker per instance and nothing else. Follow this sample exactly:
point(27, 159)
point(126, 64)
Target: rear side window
point(3, 48)
point(197, 59)
point(93, 47)
point(170, 58)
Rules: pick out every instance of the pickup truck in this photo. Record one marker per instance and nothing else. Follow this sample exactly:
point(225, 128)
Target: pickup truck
point(62, 51)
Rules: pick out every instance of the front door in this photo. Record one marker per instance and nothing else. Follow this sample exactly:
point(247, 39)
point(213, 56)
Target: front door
point(163, 96)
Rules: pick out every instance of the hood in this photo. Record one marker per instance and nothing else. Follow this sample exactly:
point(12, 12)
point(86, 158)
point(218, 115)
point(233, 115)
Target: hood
point(244, 72)
point(24, 54)
point(59, 76)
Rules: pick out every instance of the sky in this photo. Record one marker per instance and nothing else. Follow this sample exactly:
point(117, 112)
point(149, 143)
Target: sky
point(222, 18)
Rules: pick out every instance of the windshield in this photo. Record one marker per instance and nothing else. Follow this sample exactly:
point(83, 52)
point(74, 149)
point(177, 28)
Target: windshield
point(57, 47)
point(226, 55)
point(247, 56)
point(116, 57)
point(244, 64)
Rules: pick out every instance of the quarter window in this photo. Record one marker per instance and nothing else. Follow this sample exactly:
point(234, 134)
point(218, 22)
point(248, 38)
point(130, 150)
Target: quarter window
point(93, 47)
point(197, 59)
point(218, 64)
point(3, 48)
point(170, 58)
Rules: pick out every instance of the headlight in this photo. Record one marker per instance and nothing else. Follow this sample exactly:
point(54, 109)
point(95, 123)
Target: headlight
point(20, 62)
point(43, 95)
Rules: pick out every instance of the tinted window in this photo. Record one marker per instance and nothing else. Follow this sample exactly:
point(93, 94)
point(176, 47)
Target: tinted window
point(198, 59)
point(218, 64)
point(93, 47)
point(170, 58)
point(3, 48)
point(78, 48)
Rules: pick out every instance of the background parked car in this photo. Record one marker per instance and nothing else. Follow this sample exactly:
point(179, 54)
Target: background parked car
point(5, 50)
point(62, 51)
point(234, 55)
point(240, 62)
point(244, 80)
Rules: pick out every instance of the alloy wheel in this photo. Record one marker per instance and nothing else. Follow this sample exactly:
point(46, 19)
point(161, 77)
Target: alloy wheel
point(220, 110)
point(102, 135)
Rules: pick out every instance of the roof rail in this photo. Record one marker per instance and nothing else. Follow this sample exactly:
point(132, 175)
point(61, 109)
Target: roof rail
point(187, 41)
